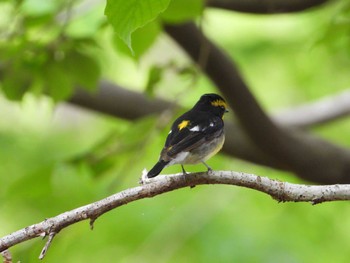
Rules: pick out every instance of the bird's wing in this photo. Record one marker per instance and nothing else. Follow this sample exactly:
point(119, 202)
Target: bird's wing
point(192, 135)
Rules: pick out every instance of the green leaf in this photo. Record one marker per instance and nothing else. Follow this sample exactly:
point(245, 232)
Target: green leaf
point(16, 79)
point(154, 77)
point(182, 10)
point(189, 70)
point(58, 81)
point(142, 40)
point(83, 69)
point(86, 25)
point(15, 84)
point(127, 16)
point(21, 67)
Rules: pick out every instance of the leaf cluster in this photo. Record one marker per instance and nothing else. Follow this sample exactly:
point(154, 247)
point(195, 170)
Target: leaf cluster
point(40, 53)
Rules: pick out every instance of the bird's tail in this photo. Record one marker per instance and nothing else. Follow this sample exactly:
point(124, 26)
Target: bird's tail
point(157, 168)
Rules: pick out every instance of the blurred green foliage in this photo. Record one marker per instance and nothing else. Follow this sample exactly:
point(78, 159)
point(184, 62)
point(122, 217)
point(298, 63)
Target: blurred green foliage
point(127, 16)
point(39, 54)
point(55, 158)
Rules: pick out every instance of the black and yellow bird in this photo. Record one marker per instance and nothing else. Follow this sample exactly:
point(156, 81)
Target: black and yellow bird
point(195, 136)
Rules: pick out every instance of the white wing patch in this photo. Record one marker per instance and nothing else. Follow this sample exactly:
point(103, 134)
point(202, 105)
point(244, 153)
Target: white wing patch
point(195, 129)
point(211, 124)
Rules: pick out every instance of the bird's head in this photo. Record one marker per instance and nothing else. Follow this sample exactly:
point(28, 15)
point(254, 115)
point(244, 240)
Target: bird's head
point(212, 103)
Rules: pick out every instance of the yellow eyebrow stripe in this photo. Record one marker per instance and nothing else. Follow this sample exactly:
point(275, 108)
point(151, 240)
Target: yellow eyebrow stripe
point(218, 103)
point(183, 124)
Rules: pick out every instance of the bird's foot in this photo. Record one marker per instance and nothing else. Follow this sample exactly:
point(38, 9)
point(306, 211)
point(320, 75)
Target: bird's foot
point(209, 171)
point(183, 170)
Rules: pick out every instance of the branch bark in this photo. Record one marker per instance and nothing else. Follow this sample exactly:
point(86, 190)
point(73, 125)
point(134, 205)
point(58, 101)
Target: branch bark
point(280, 191)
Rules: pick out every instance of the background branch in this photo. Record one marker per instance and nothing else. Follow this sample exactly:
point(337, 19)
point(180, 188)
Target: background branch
point(301, 153)
point(119, 102)
point(266, 6)
point(111, 99)
point(278, 190)
point(316, 113)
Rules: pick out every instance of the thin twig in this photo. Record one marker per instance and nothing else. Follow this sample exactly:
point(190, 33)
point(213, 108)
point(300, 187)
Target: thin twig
point(281, 191)
point(47, 245)
point(7, 256)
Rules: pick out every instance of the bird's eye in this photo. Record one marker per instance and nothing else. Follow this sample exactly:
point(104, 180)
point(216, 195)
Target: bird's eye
point(222, 107)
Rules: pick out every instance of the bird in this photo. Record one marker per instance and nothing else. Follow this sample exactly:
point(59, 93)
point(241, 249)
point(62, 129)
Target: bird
point(195, 136)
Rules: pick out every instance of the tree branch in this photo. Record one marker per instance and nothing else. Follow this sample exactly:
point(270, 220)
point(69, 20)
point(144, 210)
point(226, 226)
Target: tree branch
point(301, 153)
point(114, 100)
point(280, 191)
point(266, 6)
point(111, 99)
point(315, 113)
point(6, 256)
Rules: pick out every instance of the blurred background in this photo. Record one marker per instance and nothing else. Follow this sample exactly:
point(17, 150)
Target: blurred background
point(56, 156)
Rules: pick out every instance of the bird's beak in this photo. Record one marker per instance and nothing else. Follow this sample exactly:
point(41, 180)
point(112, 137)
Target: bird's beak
point(226, 111)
